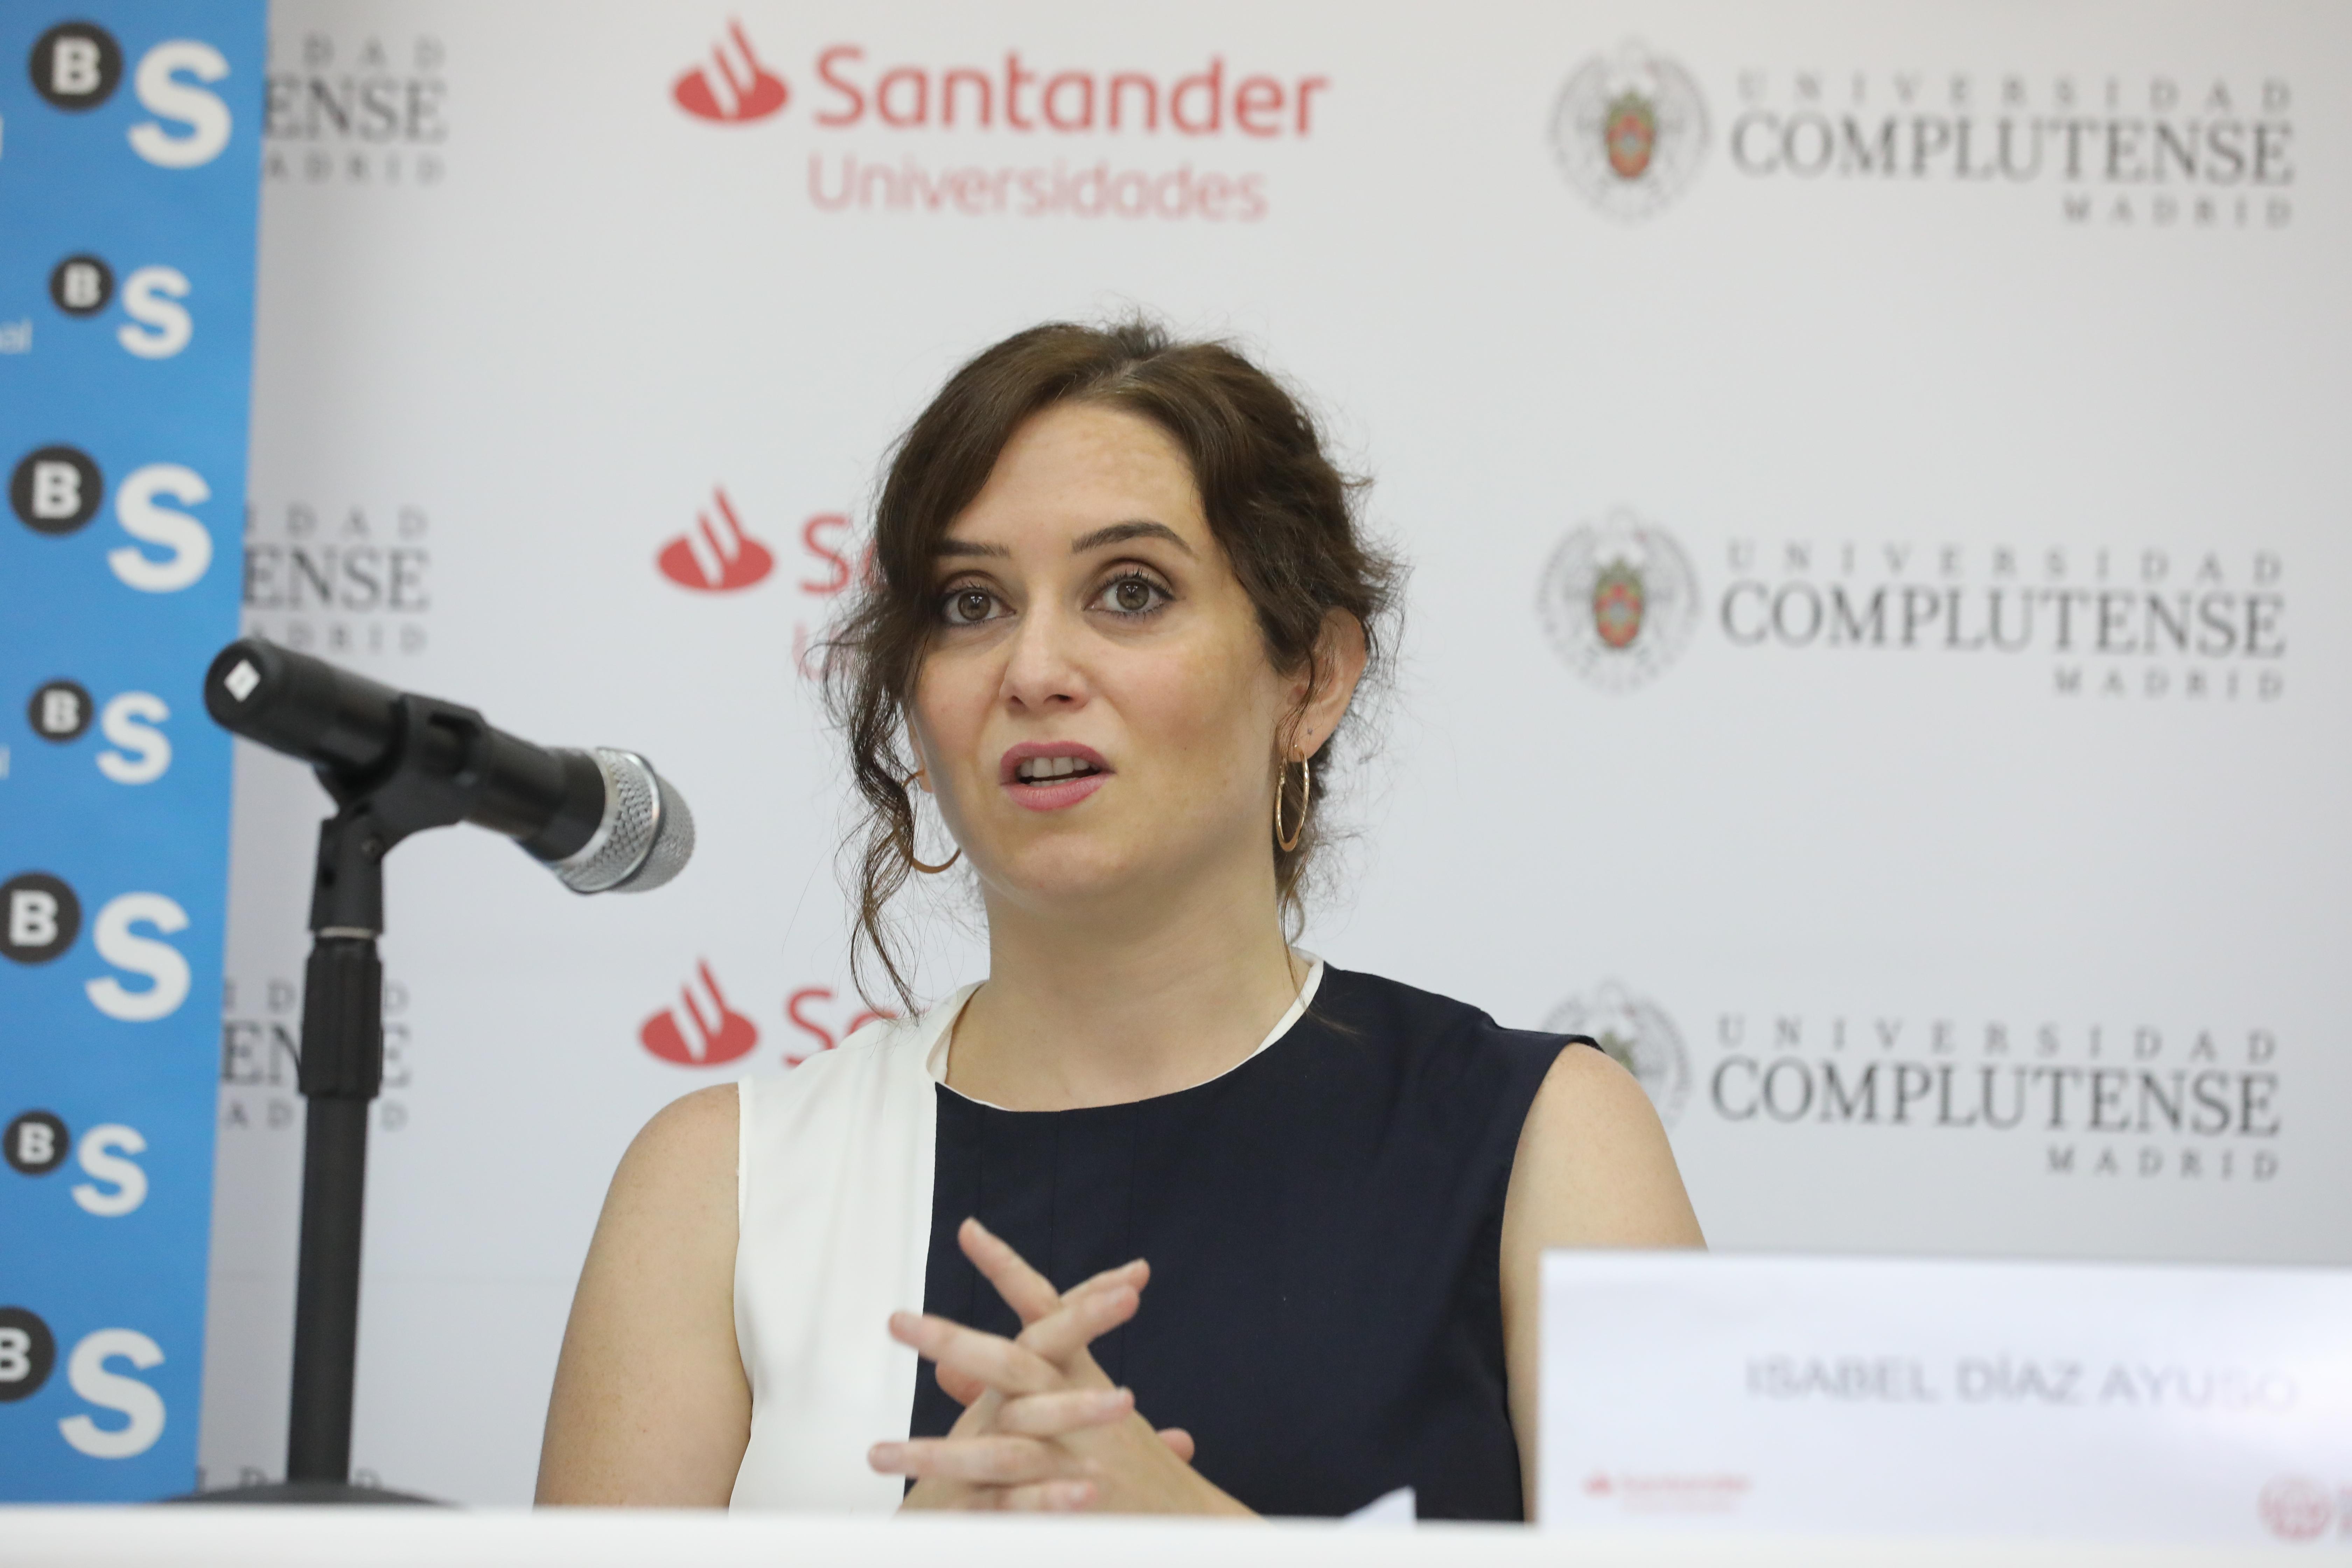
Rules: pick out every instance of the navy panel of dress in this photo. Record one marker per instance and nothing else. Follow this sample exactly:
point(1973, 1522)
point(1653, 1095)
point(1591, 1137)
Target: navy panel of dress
point(1324, 1226)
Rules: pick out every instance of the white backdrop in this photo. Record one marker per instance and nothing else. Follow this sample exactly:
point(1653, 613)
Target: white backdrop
point(1933, 399)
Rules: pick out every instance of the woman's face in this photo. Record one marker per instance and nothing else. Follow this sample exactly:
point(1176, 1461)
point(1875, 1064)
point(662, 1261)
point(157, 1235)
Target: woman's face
point(1097, 716)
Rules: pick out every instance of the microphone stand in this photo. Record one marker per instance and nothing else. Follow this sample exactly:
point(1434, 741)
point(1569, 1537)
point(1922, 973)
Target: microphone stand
point(428, 783)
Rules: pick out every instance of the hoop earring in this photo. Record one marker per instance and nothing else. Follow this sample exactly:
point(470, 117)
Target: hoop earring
point(908, 847)
point(1307, 795)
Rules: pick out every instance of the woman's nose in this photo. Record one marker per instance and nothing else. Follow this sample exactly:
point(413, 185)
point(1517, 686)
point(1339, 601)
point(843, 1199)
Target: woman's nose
point(1042, 668)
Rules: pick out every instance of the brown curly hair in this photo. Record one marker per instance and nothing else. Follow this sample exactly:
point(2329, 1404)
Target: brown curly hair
point(1283, 513)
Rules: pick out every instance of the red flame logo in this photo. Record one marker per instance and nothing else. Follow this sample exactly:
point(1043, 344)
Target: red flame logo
point(735, 87)
point(711, 562)
point(2297, 1508)
point(721, 1037)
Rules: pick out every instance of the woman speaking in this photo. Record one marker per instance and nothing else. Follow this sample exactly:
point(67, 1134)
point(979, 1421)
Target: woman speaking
point(1182, 1219)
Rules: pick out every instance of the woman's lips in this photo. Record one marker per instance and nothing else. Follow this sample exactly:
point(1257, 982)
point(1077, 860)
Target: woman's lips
point(1058, 795)
point(1054, 793)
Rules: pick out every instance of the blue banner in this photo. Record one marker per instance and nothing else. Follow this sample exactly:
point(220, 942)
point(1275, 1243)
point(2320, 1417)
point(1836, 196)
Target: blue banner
point(129, 142)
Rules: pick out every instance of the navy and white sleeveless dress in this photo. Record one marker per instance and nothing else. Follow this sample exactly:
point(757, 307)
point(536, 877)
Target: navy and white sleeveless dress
point(1323, 1221)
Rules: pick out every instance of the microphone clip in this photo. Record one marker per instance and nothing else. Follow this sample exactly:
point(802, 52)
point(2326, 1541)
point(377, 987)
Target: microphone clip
point(430, 777)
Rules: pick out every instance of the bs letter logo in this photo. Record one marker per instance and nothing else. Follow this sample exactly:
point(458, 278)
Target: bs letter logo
point(60, 712)
point(58, 490)
point(39, 918)
point(199, 121)
point(160, 326)
point(76, 66)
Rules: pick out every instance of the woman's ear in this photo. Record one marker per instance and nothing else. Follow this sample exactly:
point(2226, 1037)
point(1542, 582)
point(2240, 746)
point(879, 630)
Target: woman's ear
point(1340, 654)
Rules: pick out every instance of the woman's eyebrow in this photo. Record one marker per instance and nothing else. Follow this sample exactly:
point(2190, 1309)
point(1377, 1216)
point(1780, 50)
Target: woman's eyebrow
point(969, 547)
point(1120, 532)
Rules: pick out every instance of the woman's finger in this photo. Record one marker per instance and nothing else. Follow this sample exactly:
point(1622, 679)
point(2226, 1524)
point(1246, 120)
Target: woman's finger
point(1052, 1415)
point(1179, 1441)
point(1137, 1273)
point(967, 1353)
point(1050, 1497)
point(1078, 1322)
point(962, 1390)
point(1029, 1294)
point(996, 1460)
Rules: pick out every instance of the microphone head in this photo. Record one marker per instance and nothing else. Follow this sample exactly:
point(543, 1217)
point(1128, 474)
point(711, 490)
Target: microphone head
point(646, 836)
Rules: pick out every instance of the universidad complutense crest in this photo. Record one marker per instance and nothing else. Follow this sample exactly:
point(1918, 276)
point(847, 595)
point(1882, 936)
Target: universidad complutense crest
point(1618, 600)
point(1629, 130)
point(1617, 603)
point(1630, 133)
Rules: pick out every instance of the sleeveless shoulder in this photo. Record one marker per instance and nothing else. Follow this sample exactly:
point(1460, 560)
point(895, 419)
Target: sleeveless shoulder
point(1422, 1018)
point(1444, 1050)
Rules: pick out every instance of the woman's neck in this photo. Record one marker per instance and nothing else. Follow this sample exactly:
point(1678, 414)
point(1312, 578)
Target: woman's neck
point(1116, 1005)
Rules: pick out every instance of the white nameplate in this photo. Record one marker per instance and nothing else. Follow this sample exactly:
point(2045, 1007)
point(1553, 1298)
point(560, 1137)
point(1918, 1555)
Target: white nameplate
point(1946, 1398)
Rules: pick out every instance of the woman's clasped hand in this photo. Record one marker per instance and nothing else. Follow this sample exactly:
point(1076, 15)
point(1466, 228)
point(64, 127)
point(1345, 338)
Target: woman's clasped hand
point(1043, 1428)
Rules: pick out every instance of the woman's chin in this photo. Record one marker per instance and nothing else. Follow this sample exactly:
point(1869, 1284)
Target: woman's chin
point(1073, 876)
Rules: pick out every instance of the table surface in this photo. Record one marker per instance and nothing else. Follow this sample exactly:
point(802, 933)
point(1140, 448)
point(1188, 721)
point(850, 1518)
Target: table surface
point(253, 1537)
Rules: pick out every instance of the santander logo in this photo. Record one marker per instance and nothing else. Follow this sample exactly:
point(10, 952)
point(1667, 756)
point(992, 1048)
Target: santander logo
point(706, 1031)
point(719, 555)
point(720, 1037)
point(713, 560)
point(1217, 99)
point(735, 87)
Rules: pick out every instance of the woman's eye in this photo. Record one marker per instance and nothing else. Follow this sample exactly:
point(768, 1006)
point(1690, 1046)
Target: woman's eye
point(966, 606)
point(1133, 596)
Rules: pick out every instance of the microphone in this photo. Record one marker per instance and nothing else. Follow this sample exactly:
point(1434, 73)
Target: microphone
point(602, 820)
